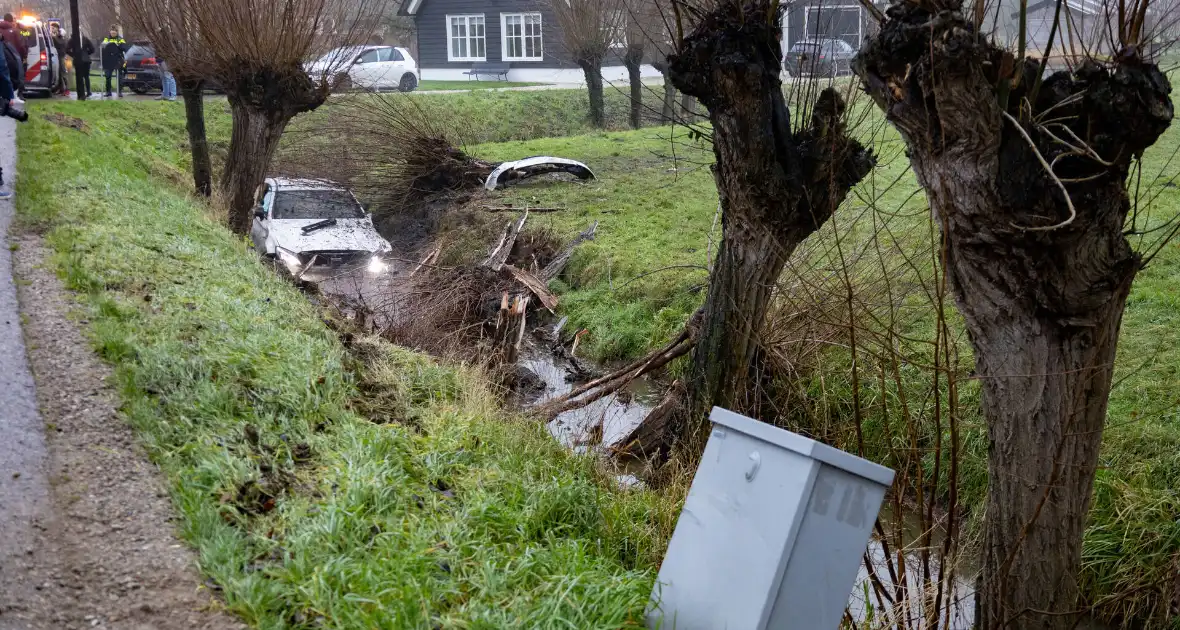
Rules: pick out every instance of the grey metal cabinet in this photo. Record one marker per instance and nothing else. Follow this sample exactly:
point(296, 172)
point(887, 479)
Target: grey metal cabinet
point(771, 535)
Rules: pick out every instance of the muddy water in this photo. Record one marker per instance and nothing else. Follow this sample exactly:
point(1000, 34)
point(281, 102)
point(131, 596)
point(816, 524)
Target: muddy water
point(618, 414)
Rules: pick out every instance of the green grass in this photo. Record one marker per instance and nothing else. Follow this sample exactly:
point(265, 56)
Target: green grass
point(655, 213)
point(653, 217)
point(471, 85)
point(494, 116)
point(452, 515)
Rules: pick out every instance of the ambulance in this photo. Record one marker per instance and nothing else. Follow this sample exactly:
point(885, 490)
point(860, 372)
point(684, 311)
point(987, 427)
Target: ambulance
point(42, 67)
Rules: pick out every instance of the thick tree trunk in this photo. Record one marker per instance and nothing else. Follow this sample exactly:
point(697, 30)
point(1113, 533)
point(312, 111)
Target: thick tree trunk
point(592, 69)
point(688, 108)
point(1040, 278)
point(776, 186)
point(668, 111)
point(633, 60)
point(262, 102)
point(194, 114)
point(253, 142)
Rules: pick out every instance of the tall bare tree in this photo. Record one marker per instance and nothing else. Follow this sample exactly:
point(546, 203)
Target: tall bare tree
point(260, 52)
point(777, 185)
point(640, 20)
point(590, 28)
point(174, 33)
point(659, 23)
point(1027, 177)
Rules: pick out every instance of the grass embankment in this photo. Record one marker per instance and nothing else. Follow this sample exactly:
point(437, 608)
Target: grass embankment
point(427, 85)
point(302, 510)
point(656, 214)
point(475, 117)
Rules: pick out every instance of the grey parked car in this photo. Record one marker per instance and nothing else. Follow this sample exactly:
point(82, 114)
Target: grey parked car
point(822, 57)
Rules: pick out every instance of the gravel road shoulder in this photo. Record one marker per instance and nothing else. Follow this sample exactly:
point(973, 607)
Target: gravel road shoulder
point(104, 551)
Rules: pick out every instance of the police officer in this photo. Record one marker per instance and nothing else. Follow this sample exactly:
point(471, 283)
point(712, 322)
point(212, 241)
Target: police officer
point(114, 49)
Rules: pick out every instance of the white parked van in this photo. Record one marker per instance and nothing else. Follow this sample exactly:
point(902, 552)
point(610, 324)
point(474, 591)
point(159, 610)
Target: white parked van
point(41, 65)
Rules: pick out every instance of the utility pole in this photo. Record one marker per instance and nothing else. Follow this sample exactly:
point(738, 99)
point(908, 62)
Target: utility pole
point(76, 40)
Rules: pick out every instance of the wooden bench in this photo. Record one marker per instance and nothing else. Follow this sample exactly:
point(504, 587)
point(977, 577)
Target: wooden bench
point(499, 70)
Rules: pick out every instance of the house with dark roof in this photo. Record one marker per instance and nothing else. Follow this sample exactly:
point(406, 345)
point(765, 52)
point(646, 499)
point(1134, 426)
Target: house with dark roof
point(1081, 26)
point(519, 37)
point(845, 20)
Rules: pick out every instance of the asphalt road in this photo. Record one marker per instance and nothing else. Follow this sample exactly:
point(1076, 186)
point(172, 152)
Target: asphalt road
point(24, 488)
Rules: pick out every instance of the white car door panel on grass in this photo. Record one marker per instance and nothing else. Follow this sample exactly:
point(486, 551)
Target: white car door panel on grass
point(365, 71)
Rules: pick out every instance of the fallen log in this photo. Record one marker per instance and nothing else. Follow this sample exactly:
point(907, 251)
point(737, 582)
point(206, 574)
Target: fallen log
point(514, 209)
point(430, 259)
point(654, 433)
point(534, 284)
point(601, 387)
point(557, 265)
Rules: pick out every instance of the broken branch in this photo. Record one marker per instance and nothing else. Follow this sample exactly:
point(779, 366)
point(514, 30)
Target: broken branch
point(557, 265)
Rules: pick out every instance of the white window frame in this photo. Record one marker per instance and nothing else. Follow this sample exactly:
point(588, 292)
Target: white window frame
point(524, 36)
point(619, 23)
point(860, 20)
point(467, 17)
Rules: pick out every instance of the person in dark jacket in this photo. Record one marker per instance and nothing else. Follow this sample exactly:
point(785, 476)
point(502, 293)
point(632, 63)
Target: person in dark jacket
point(114, 51)
point(82, 63)
point(7, 96)
point(59, 44)
point(15, 69)
point(10, 34)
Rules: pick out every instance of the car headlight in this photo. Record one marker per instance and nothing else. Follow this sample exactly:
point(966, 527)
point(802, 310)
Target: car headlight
point(289, 259)
point(376, 265)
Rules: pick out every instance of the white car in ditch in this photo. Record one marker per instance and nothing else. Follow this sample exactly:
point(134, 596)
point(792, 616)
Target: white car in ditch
point(316, 229)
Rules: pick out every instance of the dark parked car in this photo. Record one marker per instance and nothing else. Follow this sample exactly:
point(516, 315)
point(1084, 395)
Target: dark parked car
point(143, 73)
point(824, 57)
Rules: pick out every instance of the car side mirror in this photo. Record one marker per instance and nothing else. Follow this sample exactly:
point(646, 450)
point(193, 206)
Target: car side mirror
point(260, 213)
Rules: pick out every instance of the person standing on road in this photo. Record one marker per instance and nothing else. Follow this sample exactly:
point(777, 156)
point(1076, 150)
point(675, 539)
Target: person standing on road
point(7, 99)
point(114, 49)
point(167, 81)
point(15, 68)
point(82, 63)
point(59, 44)
point(11, 35)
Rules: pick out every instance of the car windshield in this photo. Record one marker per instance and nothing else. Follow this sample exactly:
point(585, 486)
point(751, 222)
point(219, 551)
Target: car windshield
point(339, 55)
point(316, 204)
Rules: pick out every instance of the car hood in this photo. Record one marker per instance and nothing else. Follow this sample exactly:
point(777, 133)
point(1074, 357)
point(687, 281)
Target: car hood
point(346, 235)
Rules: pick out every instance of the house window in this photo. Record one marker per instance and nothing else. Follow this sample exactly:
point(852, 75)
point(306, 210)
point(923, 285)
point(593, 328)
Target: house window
point(466, 38)
point(616, 28)
point(522, 36)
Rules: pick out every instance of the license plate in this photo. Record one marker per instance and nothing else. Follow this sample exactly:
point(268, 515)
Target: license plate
point(131, 76)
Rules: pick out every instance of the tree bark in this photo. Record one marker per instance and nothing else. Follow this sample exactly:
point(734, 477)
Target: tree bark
point(592, 69)
point(668, 111)
point(262, 102)
point(194, 113)
point(633, 60)
point(253, 142)
point(1040, 278)
point(688, 108)
point(776, 186)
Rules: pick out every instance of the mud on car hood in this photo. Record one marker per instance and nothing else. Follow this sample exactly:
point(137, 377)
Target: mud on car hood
point(345, 235)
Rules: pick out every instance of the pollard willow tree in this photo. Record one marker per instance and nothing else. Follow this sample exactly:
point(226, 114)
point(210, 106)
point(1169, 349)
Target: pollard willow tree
point(777, 185)
point(260, 52)
point(1027, 177)
point(590, 28)
point(173, 33)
